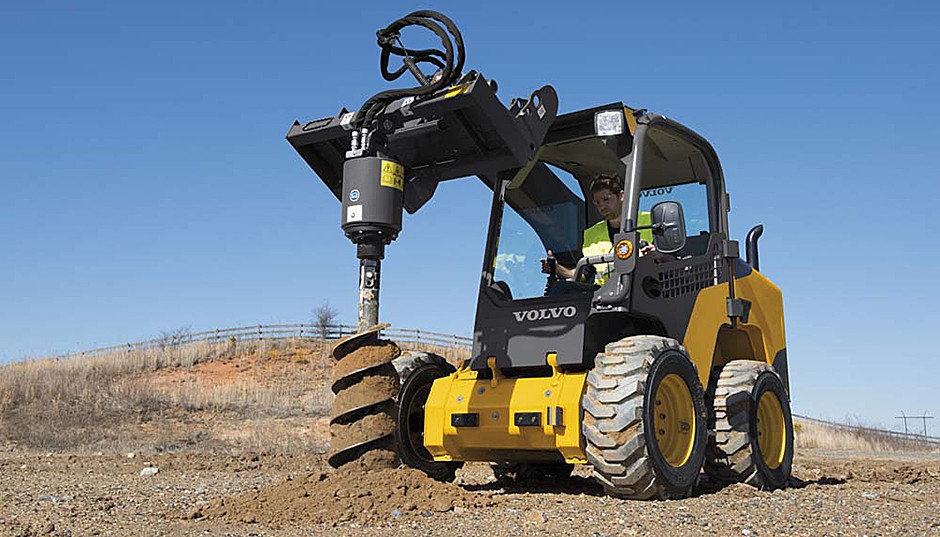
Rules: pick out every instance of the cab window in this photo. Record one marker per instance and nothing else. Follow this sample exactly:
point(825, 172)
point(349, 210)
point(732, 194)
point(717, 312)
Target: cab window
point(694, 200)
point(545, 211)
point(675, 169)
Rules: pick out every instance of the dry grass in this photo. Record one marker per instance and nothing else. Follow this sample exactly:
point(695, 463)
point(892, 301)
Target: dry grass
point(813, 435)
point(257, 395)
point(280, 380)
point(89, 403)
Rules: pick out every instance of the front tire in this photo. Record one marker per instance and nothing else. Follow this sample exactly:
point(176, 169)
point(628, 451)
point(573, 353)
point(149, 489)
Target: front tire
point(644, 419)
point(753, 427)
point(421, 372)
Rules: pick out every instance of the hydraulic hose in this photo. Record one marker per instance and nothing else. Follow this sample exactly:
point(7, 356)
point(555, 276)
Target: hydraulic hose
point(449, 61)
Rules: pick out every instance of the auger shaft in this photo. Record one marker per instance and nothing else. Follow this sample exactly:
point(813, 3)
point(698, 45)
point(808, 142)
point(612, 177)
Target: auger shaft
point(369, 273)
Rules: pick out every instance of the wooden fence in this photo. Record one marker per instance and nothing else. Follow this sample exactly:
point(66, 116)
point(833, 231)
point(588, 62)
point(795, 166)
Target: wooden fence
point(264, 332)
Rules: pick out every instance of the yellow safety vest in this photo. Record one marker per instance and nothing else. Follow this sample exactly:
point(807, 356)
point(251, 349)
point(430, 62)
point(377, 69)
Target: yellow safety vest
point(643, 219)
point(597, 242)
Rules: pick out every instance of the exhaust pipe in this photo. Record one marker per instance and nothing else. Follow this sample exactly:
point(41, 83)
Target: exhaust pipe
point(751, 246)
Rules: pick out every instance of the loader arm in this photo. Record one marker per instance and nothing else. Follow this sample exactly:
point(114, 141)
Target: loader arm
point(460, 131)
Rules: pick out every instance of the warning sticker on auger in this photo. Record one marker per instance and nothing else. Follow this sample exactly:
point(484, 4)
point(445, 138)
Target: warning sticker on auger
point(393, 174)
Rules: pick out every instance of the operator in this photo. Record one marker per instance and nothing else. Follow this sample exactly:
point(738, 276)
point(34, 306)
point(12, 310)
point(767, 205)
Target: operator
point(606, 193)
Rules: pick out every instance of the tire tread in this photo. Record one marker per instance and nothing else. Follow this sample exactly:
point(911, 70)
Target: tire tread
point(731, 457)
point(613, 425)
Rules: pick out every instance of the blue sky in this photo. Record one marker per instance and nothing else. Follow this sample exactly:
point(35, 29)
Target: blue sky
point(147, 185)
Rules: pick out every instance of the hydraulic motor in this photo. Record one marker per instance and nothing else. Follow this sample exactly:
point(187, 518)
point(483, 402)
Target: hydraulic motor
point(372, 202)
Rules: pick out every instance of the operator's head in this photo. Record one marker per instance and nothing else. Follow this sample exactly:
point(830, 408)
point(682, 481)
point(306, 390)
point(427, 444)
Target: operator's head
point(607, 196)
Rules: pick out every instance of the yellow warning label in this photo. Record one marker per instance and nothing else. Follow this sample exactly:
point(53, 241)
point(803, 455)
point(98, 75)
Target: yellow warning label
point(453, 91)
point(393, 174)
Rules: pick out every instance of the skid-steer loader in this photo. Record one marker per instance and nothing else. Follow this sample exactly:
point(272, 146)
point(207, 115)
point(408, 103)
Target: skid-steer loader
point(674, 365)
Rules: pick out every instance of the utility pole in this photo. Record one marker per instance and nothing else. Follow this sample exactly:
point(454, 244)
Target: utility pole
point(902, 417)
point(923, 418)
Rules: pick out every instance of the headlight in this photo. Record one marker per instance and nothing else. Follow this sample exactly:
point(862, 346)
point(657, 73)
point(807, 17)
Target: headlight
point(608, 123)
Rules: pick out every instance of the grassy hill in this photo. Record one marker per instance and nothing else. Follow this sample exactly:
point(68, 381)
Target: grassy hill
point(265, 396)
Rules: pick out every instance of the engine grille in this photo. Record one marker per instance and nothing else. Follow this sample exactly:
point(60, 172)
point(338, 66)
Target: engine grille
point(686, 279)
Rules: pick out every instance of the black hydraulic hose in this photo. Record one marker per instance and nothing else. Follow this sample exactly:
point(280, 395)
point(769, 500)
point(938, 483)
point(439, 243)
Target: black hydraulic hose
point(450, 61)
point(454, 31)
point(389, 35)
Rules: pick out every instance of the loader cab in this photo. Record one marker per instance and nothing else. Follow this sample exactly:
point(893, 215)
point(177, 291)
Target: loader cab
point(547, 206)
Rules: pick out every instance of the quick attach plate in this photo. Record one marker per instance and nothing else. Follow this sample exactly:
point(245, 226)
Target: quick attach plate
point(460, 131)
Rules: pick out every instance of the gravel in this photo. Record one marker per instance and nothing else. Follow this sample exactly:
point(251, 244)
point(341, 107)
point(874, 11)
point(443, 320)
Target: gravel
point(64, 494)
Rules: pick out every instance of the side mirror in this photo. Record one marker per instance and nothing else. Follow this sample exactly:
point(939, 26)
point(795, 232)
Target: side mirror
point(668, 226)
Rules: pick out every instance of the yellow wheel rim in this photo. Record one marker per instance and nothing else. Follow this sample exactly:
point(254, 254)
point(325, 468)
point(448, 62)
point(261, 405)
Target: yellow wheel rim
point(771, 430)
point(674, 420)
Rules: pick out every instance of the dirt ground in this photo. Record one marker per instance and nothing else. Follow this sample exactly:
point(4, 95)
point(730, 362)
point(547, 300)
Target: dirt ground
point(196, 493)
point(219, 456)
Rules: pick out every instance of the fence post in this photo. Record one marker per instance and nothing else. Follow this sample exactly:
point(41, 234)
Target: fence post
point(335, 331)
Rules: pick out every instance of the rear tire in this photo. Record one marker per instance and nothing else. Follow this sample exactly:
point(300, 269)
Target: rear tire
point(753, 441)
point(421, 369)
point(644, 419)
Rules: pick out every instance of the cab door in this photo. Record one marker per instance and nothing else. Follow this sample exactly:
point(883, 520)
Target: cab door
point(679, 166)
point(516, 321)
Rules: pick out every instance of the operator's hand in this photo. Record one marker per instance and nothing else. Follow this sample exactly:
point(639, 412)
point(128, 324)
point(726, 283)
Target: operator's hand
point(647, 249)
point(546, 264)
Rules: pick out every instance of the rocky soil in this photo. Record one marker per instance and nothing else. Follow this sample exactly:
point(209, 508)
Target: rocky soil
point(235, 445)
point(193, 493)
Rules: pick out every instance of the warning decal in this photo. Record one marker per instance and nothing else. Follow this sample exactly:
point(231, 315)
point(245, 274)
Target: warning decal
point(393, 174)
